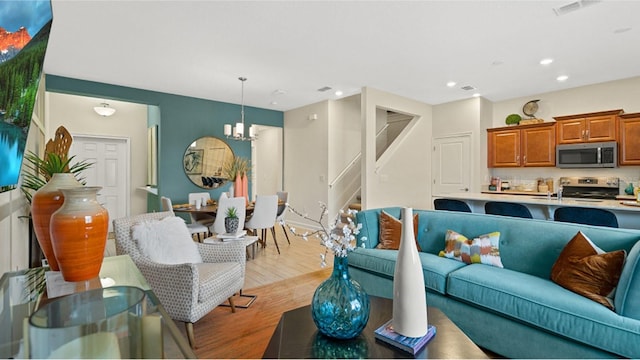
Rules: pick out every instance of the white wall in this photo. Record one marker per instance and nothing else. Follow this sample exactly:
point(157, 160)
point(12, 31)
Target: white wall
point(343, 133)
point(267, 152)
point(402, 176)
point(306, 160)
point(76, 114)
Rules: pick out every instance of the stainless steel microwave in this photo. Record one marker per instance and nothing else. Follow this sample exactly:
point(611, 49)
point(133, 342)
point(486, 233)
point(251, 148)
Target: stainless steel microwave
point(587, 155)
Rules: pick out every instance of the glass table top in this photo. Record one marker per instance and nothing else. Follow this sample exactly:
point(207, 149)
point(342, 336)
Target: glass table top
point(20, 297)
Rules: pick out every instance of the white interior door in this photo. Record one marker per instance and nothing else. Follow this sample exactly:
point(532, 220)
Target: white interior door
point(451, 164)
point(110, 171)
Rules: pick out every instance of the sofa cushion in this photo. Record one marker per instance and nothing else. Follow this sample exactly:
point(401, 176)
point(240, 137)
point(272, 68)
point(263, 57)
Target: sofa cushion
point(382, 262)
point(546, 305)
point(483, 249)
point(628, 290)
point(391, 231)
point(586, 270)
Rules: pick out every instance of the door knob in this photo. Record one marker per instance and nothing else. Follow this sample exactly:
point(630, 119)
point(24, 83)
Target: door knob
point(465, 189)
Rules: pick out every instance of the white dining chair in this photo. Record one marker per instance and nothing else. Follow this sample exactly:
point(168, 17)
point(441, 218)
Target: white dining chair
point(194, 228)
point(223, 204)
point(204, 219)
point(264, 217)
point(283, 199)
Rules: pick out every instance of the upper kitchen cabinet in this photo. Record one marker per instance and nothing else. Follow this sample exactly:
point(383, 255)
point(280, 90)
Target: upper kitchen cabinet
point(591, 127)
point(629, 148)
point(527, 145)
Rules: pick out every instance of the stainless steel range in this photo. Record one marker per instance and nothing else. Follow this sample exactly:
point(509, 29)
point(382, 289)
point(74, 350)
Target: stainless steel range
point(590, 187)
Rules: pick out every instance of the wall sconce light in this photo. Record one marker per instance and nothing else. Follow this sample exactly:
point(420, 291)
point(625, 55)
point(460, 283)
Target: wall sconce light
point(104, 110)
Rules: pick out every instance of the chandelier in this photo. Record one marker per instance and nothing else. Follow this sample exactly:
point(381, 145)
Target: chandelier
point(237, 132)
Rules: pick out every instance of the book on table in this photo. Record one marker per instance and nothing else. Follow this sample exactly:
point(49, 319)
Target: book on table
point(412, 345)
point(232, 236)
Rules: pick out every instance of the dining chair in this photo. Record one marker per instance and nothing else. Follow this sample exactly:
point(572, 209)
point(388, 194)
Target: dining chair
point(587, 216)
point(223, 204)
point(507, 209)
point(204, 219)
point(264, 218)
point(451, 205)
point(194, 228)
point(283, 198)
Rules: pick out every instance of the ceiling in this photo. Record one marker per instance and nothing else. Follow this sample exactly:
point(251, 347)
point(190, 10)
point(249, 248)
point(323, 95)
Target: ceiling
point(290, 49)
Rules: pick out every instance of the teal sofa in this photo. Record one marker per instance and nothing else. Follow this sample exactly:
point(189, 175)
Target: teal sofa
point(515, 311)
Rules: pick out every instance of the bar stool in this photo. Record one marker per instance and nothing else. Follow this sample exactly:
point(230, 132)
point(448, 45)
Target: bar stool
point(587, 216)
point(507, 209)
point(451, 205)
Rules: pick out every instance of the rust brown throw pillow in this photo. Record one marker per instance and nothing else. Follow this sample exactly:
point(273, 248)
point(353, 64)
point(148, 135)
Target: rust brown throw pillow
point(587, 270)
point(391, 231)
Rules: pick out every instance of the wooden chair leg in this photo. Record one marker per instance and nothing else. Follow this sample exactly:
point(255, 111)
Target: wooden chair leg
point(232, 304)
point(190, 336)
point(273, 232)
point(284, 229)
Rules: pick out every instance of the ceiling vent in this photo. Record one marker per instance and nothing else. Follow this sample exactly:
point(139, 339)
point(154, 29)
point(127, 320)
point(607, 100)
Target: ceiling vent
point(574, 6)
point(468, 87)
point(324, 88)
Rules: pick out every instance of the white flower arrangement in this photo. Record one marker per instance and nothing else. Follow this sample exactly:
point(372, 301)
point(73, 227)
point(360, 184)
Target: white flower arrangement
point(338, 239)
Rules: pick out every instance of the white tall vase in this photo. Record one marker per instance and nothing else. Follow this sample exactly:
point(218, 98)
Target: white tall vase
point(409, 299)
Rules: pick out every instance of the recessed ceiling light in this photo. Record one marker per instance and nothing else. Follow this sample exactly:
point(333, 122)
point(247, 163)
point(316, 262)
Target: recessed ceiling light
point(546, 61)
point(451, 84)
point(562, 78)
point(476, 95)
point(338, 93)
point(274, 103)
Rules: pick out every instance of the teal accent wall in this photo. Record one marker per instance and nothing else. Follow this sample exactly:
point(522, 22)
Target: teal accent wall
point(182, 120)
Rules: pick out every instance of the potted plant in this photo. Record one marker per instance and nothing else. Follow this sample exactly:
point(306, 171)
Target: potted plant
point(231, 221)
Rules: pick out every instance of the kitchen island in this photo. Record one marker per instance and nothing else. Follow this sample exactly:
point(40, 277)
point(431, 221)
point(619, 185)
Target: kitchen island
point(542, 207)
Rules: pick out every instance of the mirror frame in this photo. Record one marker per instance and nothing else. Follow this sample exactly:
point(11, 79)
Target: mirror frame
point(204, 161)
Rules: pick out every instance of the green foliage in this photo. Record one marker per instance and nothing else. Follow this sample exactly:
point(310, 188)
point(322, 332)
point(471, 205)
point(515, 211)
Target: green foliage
point(513, 119)
point(37, 172)
point(239, 166)
point(232, 212)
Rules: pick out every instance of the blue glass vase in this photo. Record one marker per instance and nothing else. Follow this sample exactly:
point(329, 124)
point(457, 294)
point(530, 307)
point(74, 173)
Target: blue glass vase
point(340, 307)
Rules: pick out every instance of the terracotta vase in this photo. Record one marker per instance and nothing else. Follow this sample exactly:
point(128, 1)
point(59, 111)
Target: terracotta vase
point(245, 188)
point(45, 202)
point(79, 233)
point(409, 298)
point(237, 186)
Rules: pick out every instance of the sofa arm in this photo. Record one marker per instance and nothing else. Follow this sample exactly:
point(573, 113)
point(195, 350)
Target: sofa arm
point(627, 296)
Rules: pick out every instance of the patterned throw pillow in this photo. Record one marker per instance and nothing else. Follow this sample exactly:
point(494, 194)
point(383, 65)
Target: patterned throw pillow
point(587, 270)
point(483, 249)
point(391, 231)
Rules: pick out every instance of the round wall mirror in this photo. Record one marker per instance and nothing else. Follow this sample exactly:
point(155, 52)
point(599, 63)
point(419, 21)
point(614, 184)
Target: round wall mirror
point(204, 162)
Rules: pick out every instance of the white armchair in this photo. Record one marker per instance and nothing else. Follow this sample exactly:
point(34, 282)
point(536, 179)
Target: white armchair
point(187, 291)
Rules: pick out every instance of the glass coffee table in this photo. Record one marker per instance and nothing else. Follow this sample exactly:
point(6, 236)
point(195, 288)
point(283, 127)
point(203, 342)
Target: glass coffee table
point(296, 336)
point(17, 303)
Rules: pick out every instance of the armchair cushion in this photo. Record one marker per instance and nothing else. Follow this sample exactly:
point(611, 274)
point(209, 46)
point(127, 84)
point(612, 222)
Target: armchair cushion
point(166, 241)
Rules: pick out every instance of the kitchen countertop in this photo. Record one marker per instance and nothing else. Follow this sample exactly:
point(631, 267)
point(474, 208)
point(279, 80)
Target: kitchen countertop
point(543, 201)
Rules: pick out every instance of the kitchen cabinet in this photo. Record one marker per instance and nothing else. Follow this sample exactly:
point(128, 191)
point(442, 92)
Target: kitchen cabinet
point(591, 127)
point(629, 136)
point(527, 145)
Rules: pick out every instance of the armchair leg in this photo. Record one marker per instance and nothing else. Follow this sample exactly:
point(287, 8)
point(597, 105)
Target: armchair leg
point(231, 303)
point(190, 336)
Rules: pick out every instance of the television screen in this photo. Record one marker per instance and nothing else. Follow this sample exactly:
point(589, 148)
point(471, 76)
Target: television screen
point(24, 33)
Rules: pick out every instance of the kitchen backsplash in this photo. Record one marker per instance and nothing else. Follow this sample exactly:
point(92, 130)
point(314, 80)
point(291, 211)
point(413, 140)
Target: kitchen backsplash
point(626, 174)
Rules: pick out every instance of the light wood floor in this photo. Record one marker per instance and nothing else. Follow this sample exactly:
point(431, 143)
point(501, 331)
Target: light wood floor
point(246, 333)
